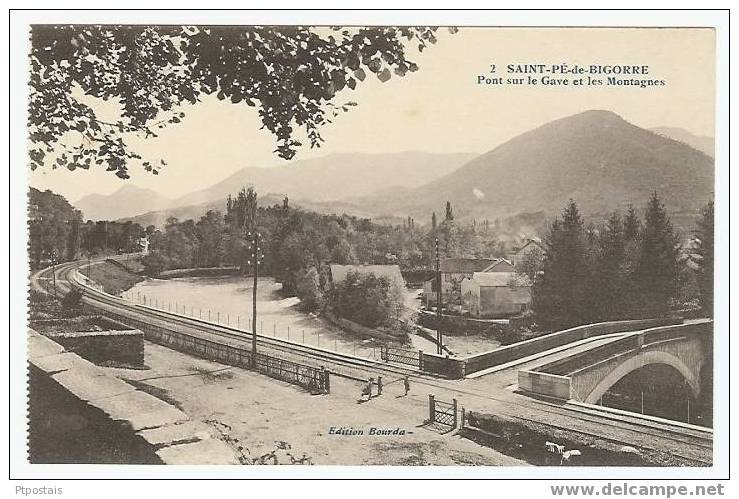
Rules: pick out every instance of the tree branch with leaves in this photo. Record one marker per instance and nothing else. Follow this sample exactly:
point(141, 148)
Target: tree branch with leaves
point(293, 75)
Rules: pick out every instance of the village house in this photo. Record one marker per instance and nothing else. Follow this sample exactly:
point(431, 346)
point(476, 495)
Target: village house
point(530, 245)
point(454, 271)
point(495, 294)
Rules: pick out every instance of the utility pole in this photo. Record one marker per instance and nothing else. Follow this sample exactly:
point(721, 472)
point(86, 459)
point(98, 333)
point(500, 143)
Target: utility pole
point(53, 272)
point(255, 267)
point(438, 299)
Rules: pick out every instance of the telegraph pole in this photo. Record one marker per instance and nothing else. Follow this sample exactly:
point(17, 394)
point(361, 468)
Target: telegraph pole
point(53, 273)
point(255, 261)
point(438, 299)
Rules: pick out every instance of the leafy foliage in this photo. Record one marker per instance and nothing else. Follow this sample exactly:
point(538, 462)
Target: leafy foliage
point(53, 227)
point(72, 302)
point(291, 74)
point(309, 290)
point(56, 231)
point(366, 299)
point(530, 264)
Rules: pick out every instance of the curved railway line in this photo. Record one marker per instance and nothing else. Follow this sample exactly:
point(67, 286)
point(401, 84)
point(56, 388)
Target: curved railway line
point(632, 430)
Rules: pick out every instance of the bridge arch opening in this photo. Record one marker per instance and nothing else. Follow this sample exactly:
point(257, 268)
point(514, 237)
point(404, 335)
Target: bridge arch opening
point(641, 361)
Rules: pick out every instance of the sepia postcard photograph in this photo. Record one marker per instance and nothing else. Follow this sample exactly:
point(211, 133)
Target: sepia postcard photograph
point(474, 247)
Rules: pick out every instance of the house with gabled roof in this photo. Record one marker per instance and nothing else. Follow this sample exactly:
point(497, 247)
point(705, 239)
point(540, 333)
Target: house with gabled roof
point(495, 294)
point(455, 270)
point(530, 244)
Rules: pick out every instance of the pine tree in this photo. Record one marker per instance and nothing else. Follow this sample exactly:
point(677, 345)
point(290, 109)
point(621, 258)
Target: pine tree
point(632, 225)
point(449, 214)
point(560, 294)
point(433, 221)
point(705, 252)
point(609, 282)
point(657, 264)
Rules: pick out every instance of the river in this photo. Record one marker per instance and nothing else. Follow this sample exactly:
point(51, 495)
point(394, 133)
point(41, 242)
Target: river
point(228, 300)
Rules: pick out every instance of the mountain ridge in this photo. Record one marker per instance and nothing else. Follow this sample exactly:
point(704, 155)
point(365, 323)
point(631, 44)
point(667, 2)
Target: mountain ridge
point(595, 157)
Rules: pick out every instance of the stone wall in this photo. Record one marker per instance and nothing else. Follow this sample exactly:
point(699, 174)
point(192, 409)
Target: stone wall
point(95, 338)
point(83, 413)
point(455, 325)
point(63, 428)
point(100, 347)
point(449, 367)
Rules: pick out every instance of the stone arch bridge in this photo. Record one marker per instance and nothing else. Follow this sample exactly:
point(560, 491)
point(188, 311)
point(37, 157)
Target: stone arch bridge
point(587, 375)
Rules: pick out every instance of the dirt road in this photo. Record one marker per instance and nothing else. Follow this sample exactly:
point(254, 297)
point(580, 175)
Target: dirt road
point(264, 418)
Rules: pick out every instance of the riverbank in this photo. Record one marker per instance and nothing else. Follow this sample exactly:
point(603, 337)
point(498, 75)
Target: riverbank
point(112, 276)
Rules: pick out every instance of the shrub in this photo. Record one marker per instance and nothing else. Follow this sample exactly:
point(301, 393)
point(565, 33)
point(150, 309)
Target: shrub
point(367, 299)
point(154, 263)
point(72, 302)
point(308, 289)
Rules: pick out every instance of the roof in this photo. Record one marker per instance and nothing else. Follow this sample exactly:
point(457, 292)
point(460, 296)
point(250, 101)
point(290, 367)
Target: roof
point(465, 265)
point(501, 265)
point(500, 279)
point(392, 272)
point(532, 240)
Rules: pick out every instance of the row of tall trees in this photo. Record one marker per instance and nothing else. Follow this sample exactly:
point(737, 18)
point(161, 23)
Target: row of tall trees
point(292, 241)
point(57, 232)
point(625, 268)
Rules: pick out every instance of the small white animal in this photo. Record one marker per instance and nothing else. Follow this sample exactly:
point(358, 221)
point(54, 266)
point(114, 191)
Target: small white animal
point(555, 448)
point(566, 455)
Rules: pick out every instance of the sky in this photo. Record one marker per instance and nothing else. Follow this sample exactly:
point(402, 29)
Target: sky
point(440, 108)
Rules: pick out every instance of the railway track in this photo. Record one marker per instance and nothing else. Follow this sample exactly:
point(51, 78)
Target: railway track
point(635, 428)
point(336, 362)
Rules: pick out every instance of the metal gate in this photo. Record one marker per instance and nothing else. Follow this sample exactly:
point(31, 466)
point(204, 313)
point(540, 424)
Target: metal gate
point(401, 356)
point(443, 412)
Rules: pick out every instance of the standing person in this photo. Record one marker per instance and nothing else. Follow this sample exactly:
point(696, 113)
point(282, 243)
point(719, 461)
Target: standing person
point(379, 386)
point(367, 390)
point(406, 385)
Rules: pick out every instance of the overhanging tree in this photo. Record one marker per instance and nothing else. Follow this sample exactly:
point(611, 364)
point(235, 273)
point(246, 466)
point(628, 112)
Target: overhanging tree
point(291, 74)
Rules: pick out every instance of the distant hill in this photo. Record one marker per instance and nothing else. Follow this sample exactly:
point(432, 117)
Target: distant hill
point(335, 177)
point(700, 142)
point(595, 157)
point(158, 218)
point(327, 179)
point(127, 201)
